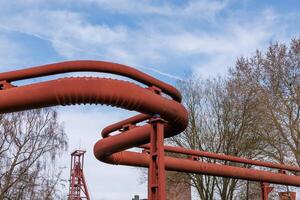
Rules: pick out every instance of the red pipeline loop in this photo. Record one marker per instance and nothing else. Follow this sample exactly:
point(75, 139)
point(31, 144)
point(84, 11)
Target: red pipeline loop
point(123, 94)
point(87, 90)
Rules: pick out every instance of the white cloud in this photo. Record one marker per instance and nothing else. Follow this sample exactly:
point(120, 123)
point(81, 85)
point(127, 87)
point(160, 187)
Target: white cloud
point(239, 38)
point(193, 8)
point(11, 53)
point(203, 9)
point(67, 31)
point(73, 37)
point(155, 42)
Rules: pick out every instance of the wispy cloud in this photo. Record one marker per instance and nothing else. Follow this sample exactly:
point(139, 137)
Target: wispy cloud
point(66, 31)
point(12, 53)
point(190, 9)
point(160, 72)
point(71, 36)
point(74, 37)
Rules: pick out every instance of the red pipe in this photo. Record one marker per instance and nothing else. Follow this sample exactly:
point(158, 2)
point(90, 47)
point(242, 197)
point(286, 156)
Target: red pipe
point(190, 166)
point(122, 94)
point(119, 125)
point(90, 66)
point(99, 91)
point(226, 158)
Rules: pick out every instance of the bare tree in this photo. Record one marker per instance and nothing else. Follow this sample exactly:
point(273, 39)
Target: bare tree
point(193, 91)
point(29, 145)
point(252, 113)
point(275, 75)
point(221, 121)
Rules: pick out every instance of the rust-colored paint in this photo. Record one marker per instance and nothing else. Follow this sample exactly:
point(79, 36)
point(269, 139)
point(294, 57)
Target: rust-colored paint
point(157, 174)
point(265, 190)
point(146, 100)
point(78, 187)
point(287, 196)
point(205, 154)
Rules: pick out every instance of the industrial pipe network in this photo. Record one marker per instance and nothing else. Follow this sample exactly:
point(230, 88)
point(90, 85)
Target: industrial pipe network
point(160, 106)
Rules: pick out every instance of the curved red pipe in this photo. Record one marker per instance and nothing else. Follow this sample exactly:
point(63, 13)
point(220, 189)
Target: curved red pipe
point(119, 125)
point(90, 66)
point(99, 91)
point(122, 94)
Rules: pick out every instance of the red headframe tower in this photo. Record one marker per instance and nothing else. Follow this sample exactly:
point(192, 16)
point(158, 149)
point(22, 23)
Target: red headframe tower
point(78, 188)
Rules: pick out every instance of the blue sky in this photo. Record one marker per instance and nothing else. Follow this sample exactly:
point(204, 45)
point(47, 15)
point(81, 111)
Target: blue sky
point(167, 39)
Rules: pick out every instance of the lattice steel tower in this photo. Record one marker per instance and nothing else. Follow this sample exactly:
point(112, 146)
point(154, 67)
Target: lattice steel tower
point(78, 188)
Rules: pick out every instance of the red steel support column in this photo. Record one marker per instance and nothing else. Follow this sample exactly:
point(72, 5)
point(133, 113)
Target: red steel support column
point(266, 189)
point(157, 173)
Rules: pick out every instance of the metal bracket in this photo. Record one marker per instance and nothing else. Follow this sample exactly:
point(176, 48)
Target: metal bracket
point(194, 158)
point(127, 127)
point(155, 89)
point(5, 85)
point(282, 171)
point(155, 119)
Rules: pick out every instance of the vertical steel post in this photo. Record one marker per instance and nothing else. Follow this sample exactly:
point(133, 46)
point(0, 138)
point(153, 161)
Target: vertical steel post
point(157, 173)
point(266, 189)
